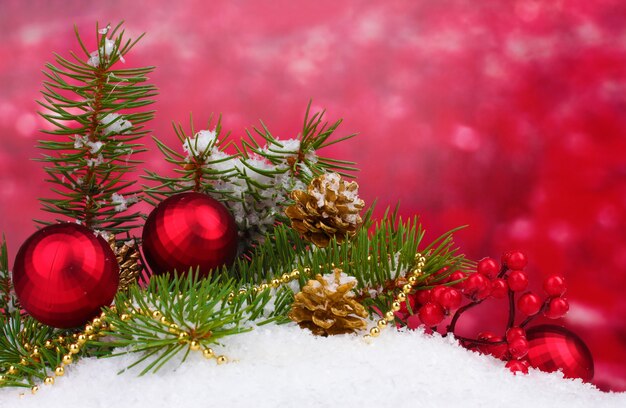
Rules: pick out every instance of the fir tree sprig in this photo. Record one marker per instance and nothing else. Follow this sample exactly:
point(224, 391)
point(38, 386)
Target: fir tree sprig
point(95, 109)
point(8, 301)
point(176, 315)
point(255, 181)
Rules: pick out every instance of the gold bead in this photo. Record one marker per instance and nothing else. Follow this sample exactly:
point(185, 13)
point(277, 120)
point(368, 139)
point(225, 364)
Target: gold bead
point(221, 360)
point(295, 274)
point(48, 345)
point(23, 361)
point(307, 270)
point(59, 371)
point(82, 339)
point(420, 265)
point(264, 286)
point(183, 335)
point(74, 348)
point(156, 314)
point(12, 370)
point(401, 297)
point(284, 278)
point(275, 283)
point(2, 378)
point(382, 323)
point(194, 345)
point(412, 280)
point(173, 328)
point(27, 347)
point(242, 291)
point(407, 288)
point(34, 389)
point(105, 325)
point(92, 337)
point(74, 336)
point(67, 359)
point(367, 338)
point(374, 332)
point(125, 317)
point(49, 381)
point(112, 327)
point(395, 306)
point(96, 322)
point(390, 316)
point(163, 320)
point(208, 353)
point(61, 339)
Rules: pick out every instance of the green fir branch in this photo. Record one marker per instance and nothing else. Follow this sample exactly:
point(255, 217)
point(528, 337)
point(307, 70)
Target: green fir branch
point(95, 109)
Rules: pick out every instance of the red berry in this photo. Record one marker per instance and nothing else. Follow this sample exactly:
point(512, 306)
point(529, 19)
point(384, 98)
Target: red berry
point(423, 296)
point(488, 267)
point(518, 347)
point(517, 366)
point(403, 306)
point(436, 293)
point(529, 304)
point(514, 260)
point(515, 332)
point(499, 288)
point(554, 285)
point(557, 308)
point(450, 299)
point(431, 314)
point(413, 322)
point(517, 280)
point(477, 286)
point(457, 276)
point(497, 350)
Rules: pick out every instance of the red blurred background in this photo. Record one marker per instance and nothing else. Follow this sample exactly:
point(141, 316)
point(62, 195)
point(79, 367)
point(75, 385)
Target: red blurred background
point(508, 116)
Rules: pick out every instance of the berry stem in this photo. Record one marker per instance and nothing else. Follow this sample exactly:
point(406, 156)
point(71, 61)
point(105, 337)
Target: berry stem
point(458, 314)
point(479, 341)
point(530, 318)
point(503, 270)
point(511, 320)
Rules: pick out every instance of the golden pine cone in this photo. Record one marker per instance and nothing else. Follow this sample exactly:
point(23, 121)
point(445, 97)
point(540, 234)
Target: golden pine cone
point(127, 254)
point(327, 306)
point(328, 209)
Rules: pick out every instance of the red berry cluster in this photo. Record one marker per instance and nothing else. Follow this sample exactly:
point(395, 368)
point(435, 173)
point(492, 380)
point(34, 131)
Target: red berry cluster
point(491, 280)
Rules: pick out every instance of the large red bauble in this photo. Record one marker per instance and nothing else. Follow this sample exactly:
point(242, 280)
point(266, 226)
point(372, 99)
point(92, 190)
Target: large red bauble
point(552, 348)
point(63, 274)
point(189, 230)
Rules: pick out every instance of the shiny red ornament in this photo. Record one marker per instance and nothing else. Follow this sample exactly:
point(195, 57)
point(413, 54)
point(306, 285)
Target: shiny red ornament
point(552, 348)
point(64, 274)
point(189, 230)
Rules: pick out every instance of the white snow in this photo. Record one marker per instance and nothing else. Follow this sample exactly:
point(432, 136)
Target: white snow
point(115, 124)
point(121, 203)
point(198, 145)
point(285, 366)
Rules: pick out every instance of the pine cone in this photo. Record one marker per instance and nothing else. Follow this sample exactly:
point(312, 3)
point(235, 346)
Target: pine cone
point(127, 254)
point(327, 306)
point(328, 209)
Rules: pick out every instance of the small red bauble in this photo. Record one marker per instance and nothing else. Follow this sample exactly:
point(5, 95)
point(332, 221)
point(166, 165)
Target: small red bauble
point(423, 296)
point(553, 348)
point(458, 277)
point(488, 267)
point(529, 304)
point(557, 308)
point(554, 285)
point(189, 231)
point(517, 280)
point(64, 274)
point(431, 314)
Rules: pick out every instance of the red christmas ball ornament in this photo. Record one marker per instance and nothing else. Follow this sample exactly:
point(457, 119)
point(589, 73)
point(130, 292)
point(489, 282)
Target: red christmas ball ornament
point(552, 348)
point(64, 274)
point(189, 231)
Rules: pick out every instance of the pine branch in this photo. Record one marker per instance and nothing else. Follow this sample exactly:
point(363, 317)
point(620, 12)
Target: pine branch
point(96, 113)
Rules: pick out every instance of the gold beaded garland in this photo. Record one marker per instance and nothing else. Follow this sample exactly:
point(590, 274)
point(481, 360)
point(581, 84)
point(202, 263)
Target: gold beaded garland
point(412, 280)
